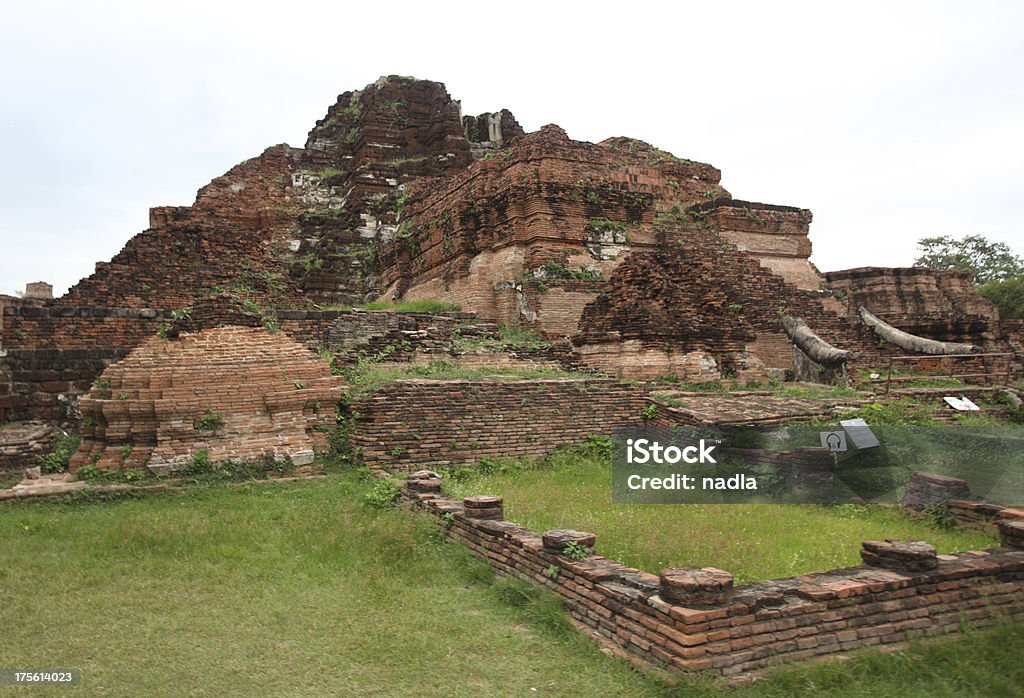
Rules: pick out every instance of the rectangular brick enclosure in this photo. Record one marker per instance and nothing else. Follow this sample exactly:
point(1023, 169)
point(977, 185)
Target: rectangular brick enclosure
point(904, 594)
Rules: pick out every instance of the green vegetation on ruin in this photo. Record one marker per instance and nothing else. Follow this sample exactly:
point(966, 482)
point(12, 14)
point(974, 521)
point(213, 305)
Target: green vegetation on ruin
point(425, 305)
point(201, 470)
point(511, 337)
point(370, 373)
point(556, 271)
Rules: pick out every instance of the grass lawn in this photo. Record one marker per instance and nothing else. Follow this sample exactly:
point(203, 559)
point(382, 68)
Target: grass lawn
point(572, 489)
point(274, 589)
point(300, 589)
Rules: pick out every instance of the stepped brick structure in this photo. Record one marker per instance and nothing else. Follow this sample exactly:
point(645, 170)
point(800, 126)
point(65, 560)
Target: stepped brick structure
point(200, 339)
point(698, 308)
point(237, 393)
point(530, 234)
point(639, 256)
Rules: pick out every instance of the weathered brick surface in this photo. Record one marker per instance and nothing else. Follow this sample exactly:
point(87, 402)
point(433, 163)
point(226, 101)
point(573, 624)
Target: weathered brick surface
point(21, 443)
point(939, 305)
point(758, 624)
point(269, 394)
point(775, 235)
point(928, 493)
point(928, 489)
point(477, 233)
point(695, 305)
point(976, 514)
point(489, 131)
point(79, 327)
point(47, 383)
point(414, 424)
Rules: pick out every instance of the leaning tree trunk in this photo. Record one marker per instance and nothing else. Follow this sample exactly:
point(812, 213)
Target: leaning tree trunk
point(817, 349)
point(911, 342)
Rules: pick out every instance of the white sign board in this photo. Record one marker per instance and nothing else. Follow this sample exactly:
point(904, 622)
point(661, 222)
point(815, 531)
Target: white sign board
point(834, 441)
point(961, 404)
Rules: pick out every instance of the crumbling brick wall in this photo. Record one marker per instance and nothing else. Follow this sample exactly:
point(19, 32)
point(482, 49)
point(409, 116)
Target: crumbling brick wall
point(939, 305)
point(415, 424)
point(235, 234)
point(47, 383)
point(79, 327)
point(695, 305)
point(239, 393)
point(775, 235)
point(22, 444)
point(546, 199)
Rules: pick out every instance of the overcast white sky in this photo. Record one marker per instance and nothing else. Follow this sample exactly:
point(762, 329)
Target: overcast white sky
point(890, 121)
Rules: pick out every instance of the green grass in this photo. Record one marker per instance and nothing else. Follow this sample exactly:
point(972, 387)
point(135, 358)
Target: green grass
point(898, 412)
point(705, 387)
point(796, 390)
point(367, 376)
point(980, 663)
point(572, 489)
point(275, 589)
point(420, 306)
point(511, 337)
point(810, 391)
point(300, 589)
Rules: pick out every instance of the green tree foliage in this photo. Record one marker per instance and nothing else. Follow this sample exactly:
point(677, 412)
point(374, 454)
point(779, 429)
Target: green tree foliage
point(990, 261)
point(1008, 295)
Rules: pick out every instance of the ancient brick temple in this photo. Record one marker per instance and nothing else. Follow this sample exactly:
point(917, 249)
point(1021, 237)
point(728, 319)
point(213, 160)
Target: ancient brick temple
point(640, 257)
point(235, 393)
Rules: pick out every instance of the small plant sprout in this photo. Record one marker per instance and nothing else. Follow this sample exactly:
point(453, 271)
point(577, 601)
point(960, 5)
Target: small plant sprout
point(575, 551)
point(208, 421)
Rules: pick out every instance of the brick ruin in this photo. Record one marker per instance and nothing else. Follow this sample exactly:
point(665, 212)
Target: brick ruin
point(635, 263)
point(695, 619)
point(203, 333)
point(235, 393)
point(439, 424)
point(640, 257)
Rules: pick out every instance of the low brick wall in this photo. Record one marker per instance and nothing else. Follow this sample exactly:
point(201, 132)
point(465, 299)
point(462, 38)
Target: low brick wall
point(79, 327)
point(47, 383)
point(416, 424)
point(734, 631)
point(971, 514)
point(927, 490)
point(21, 444)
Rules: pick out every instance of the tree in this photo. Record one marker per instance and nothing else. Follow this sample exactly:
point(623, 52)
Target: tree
point(989, 261)
point(1008, 295)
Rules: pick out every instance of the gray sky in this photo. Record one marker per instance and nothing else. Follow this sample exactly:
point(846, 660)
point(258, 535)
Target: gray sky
point(890, 121)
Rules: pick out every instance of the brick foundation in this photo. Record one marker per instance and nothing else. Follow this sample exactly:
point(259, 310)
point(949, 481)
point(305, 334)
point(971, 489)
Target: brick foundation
point(239, 393)
point(21, 444)
point(735, 630)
